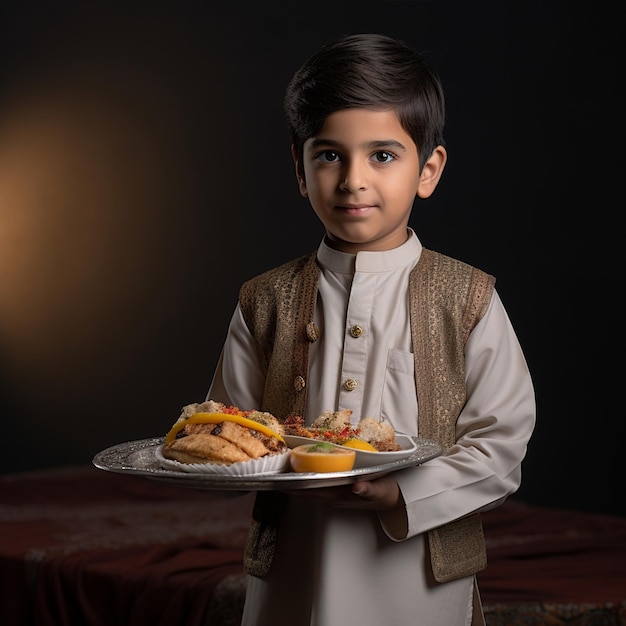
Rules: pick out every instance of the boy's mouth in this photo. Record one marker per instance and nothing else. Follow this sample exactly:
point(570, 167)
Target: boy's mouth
point(355, 209)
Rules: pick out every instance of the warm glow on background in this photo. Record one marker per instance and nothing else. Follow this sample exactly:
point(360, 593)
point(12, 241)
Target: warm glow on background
point(114, 172)
point(83, 188)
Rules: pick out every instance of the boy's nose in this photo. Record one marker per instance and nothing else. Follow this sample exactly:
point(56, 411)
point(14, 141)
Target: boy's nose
point(354, 179)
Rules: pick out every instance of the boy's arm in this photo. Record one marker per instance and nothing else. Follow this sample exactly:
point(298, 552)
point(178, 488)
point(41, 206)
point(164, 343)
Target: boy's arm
point(238, 379)
point(493, 429)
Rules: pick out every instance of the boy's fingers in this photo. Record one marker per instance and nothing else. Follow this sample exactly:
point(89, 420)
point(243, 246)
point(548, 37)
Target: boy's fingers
point(384, 492)
point(362, 489)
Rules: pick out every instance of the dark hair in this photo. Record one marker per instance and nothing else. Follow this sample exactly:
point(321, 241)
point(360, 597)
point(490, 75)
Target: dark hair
point(367, 71)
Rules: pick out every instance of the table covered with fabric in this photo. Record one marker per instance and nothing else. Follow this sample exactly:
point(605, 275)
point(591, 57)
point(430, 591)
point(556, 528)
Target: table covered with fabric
point(82, 546)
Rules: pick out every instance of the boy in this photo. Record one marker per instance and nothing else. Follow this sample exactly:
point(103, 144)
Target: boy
point(375, 323)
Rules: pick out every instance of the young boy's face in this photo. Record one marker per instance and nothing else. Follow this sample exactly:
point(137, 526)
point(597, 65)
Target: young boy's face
point(361, 175)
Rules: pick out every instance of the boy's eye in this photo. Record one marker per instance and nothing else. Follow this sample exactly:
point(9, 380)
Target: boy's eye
point(383, 157)
point(328, 156)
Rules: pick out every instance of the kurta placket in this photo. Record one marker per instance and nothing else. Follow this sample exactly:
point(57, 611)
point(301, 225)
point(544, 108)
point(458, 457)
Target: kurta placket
point(364, 300)
point(353, 369)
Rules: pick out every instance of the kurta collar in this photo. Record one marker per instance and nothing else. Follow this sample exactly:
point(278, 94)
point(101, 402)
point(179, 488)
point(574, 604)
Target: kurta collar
point(385, 261)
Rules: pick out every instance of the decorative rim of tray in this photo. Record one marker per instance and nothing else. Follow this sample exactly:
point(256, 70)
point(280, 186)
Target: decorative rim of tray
point(139, 458)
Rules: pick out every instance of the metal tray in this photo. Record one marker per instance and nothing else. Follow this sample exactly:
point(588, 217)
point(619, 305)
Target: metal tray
point(139, 458)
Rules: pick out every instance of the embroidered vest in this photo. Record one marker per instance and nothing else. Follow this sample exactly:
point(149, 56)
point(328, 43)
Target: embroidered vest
point(447, 299)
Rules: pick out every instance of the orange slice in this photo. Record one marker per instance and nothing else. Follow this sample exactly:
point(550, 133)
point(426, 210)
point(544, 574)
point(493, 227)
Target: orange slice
point(321, 457)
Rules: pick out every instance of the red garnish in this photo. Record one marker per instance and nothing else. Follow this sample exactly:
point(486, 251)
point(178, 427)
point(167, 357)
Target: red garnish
point(232, 410)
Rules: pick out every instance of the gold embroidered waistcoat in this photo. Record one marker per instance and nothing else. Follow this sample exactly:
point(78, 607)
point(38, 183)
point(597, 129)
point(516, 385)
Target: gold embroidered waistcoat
point(447, 299)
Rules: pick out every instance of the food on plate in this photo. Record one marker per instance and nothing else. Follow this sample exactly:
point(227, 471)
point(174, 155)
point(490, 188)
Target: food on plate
point(321, 456)
point(211, 432)
point(335, 427)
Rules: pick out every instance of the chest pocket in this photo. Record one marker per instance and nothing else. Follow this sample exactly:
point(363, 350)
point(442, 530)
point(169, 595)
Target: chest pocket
point(399, 399)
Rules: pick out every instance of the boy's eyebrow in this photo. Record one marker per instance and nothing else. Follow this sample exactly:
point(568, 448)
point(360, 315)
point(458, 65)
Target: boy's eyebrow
point(370, 145)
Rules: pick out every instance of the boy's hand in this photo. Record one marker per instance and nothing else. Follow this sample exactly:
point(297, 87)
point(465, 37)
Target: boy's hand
point(382, 494)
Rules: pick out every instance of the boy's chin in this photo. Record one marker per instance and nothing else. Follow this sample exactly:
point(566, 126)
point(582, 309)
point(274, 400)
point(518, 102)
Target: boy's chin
point(353, 243)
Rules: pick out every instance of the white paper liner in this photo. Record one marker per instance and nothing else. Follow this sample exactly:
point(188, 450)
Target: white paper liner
point(275, 464)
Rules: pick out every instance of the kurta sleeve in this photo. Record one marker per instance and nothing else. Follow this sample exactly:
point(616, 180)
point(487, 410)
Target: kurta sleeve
point(492, 433)
point(238, 378)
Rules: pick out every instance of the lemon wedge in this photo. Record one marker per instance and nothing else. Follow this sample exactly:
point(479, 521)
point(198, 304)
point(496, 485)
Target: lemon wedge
point(359, 444)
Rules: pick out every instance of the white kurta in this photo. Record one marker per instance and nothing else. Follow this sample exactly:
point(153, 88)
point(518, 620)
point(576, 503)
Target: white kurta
point(341, 566)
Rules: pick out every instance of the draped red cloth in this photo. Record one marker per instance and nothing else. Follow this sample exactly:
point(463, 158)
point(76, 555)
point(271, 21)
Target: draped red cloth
point(84, 546)
point(552, 555)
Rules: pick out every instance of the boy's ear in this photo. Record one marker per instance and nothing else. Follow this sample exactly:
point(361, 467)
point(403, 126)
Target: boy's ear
point(431, 172)
point(299, 173)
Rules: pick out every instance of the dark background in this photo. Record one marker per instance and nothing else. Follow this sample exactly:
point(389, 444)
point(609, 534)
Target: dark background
point(145, 173)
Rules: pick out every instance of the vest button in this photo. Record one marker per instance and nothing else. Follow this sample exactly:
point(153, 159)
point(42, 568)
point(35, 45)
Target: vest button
point(350, 384)
point(312, 332)
point(299, 383)
point(356, 331)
